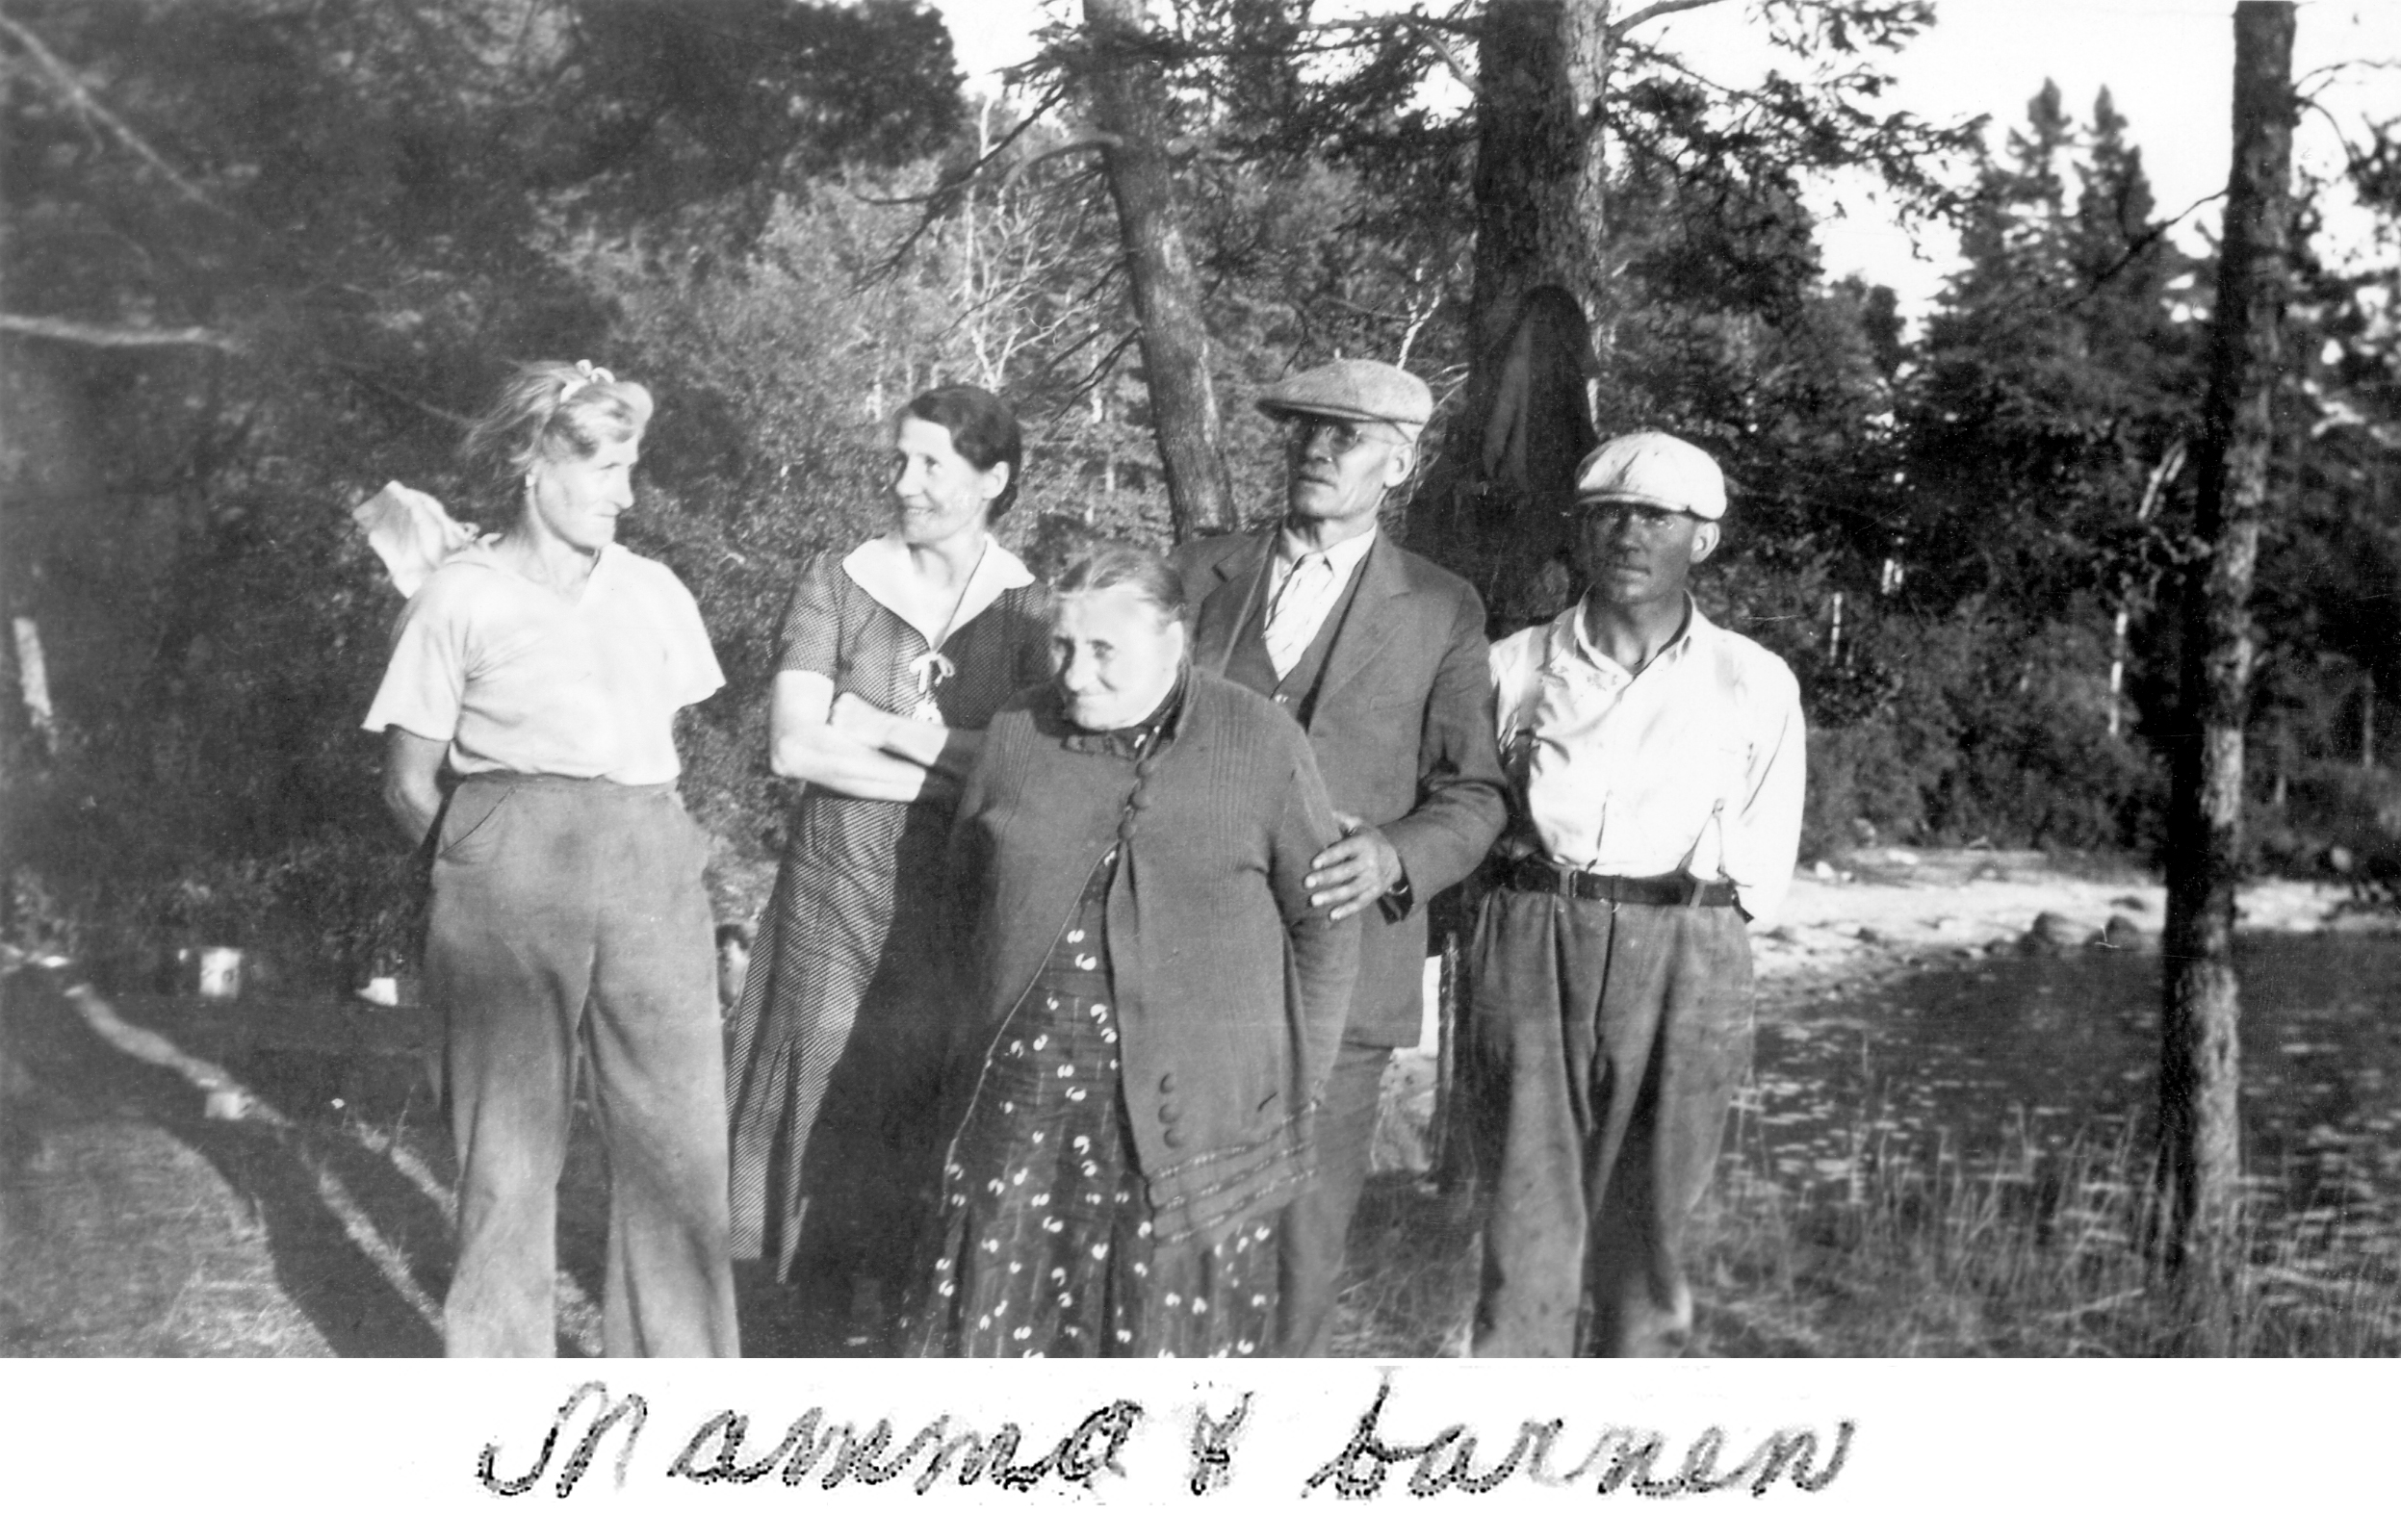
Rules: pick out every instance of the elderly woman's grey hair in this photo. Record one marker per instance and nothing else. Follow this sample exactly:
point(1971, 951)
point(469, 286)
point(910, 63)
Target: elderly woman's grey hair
point(553, 411)
point(1115, 564)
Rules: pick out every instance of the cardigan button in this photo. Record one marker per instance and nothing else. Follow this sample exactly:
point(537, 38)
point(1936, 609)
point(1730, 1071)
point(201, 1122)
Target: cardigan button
point(1169, 1112)
point(1173, 1138)
point(1167, 1083)
point(1140, 798)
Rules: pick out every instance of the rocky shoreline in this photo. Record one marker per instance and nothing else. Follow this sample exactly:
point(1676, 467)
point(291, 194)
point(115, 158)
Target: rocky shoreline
point(1881, 911)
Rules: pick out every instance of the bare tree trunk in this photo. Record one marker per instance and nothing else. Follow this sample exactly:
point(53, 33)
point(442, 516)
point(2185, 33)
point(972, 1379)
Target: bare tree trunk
point(1129, 90)
point(1530, 166)
point(2200, 1144)
point(1538, 184)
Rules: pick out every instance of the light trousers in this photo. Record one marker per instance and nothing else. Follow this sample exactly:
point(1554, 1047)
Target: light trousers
point(570, 927)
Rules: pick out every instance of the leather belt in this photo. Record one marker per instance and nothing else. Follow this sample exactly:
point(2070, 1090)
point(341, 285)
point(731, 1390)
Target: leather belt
point(1674, 890)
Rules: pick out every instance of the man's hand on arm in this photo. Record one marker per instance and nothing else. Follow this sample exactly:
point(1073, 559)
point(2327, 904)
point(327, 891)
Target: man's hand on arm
point(1353, 871)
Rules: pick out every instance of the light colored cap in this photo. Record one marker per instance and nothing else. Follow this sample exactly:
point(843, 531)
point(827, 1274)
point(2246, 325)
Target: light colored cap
point(1353, 390)
point(1656, 470)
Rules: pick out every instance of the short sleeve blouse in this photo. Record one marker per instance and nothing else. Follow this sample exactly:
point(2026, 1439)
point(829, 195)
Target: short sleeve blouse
point(840, 627)
point(516, 677)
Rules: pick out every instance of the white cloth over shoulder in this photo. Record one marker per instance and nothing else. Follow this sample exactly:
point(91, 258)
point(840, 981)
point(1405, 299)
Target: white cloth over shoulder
point(412, 534)
point(1695, 764)
point(517, 678)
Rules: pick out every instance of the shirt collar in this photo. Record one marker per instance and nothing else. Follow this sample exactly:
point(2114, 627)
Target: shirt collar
point(477, 552)
point(1143, 738)
point(484, 552)
point(880, 566)
point(1139, 742)
point(1569, 640)
point(1343, 557)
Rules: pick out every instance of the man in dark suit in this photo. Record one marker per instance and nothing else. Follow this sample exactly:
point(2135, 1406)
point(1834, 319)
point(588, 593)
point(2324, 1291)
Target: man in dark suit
point(1380, 656)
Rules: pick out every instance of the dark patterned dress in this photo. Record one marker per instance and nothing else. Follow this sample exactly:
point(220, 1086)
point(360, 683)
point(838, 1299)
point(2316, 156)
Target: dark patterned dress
point(836, 1046)
point(1044, 1244)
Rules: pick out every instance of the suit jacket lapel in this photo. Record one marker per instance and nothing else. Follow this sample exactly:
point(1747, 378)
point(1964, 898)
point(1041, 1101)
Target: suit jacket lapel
point(1373, 619)
point(1218, 625)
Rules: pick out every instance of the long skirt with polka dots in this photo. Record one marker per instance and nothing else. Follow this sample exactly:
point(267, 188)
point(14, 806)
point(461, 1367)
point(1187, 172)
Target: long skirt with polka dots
point(1046, 1245)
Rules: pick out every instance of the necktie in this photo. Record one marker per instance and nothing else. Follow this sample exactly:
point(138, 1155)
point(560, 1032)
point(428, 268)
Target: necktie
point(1297, 610)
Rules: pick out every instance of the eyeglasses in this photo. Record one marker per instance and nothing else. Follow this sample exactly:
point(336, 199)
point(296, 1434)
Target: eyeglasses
point(1341, 437)
point(1608, 510)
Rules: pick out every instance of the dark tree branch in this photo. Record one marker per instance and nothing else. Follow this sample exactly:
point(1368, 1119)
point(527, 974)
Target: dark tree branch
point(1441, 46)
point(1098, 373)
point(1075, 144)
point(937, 203)
point(1651, 12)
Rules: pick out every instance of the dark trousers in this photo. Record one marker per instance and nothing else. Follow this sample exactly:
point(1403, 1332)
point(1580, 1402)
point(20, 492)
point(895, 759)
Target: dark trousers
point(569, 924)
point(1607, 1041)
point(1317, 1225)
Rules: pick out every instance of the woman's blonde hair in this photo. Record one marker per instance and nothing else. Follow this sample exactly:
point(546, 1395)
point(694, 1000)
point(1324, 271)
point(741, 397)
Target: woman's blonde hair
point(553, 411)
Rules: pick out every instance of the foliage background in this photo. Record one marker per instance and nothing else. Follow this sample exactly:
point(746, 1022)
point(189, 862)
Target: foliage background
point(786, 218)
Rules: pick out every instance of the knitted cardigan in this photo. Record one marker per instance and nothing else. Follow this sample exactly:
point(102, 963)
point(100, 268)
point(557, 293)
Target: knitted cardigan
point(1230, 989)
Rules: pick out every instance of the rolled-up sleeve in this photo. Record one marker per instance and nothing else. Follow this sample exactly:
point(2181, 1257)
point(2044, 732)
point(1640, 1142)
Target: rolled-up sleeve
point(1763, 836)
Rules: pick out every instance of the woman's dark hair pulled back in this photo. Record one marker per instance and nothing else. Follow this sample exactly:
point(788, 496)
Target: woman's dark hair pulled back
point(983, 428)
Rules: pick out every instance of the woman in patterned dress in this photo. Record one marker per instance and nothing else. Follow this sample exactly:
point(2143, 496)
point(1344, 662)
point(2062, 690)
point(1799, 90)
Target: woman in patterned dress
point(1151, 1002)
point(894, 656)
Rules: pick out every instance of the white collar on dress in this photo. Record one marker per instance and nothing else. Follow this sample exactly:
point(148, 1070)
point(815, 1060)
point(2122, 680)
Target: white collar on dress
point(882, 566)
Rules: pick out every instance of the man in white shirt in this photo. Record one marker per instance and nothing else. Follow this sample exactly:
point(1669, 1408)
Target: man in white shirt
point(1654, 764)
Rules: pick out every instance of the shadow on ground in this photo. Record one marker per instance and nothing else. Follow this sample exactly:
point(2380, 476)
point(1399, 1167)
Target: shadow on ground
point(324, 1230)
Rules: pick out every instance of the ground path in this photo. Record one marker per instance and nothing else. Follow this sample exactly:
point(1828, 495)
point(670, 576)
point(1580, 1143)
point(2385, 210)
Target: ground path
point(133, 1224)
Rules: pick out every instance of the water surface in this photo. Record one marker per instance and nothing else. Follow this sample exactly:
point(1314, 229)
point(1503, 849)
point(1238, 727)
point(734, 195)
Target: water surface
point(2012, 1052)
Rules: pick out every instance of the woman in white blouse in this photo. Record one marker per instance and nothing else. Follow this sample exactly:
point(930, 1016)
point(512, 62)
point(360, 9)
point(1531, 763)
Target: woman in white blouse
point(544, 669)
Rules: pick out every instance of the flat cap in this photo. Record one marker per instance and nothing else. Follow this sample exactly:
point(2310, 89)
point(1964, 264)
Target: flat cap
point(1353, 390)
point(1656, 470)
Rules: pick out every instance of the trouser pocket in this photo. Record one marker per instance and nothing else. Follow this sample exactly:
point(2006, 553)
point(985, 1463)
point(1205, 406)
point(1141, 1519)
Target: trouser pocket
point(470, 826)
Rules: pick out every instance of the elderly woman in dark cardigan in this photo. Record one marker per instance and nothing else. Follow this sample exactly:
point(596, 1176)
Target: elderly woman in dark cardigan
point(1149, 1006)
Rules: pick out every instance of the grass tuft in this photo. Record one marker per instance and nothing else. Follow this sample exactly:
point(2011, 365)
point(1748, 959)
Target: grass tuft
point(2027, 1250)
